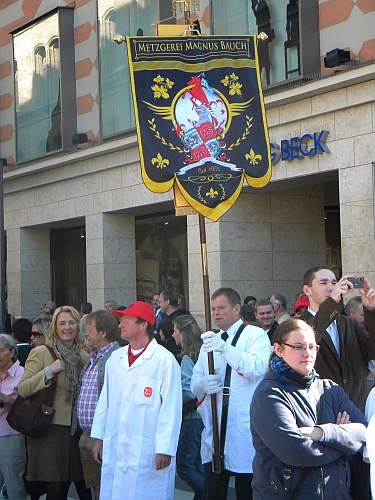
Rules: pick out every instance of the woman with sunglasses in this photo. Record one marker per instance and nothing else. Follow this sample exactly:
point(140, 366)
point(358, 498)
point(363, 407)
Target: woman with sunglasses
point(39, 331)
point(304, 430)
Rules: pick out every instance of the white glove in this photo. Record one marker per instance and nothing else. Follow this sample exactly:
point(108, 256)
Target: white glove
point(213, 342)
point(212, 383)
point(232, 356)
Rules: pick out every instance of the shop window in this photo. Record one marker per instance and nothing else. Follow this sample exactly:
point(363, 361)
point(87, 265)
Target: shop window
point(43, 69)
point(124, 17)
point(68, 266)
point(161, 253)
point(287, 23)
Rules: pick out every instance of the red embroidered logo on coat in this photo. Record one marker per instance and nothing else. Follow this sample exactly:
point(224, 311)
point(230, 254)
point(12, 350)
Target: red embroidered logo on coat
point(147, 392)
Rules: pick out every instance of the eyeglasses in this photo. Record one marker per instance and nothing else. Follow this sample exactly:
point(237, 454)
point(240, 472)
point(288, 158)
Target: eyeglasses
point(36, 335)
point(304, 347)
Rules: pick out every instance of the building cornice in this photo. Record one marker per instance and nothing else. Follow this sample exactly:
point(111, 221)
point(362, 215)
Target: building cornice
point(322, 86)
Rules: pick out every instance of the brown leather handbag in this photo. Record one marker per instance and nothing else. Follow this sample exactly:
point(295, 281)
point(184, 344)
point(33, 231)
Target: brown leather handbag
point(32, 416)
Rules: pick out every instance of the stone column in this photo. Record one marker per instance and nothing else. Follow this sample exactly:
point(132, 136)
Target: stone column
point(356, 190)
point(28, 271)
point(298, 238)
point(262, 245)
point(110, 258)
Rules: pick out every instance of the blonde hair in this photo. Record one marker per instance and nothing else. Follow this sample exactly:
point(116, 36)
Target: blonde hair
point(77, 318)
point(43, 325)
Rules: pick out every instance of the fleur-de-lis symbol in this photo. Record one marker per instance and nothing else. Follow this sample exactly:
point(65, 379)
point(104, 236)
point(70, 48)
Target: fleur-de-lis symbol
point(252, 157)
point(212, 193)
point(160, 162)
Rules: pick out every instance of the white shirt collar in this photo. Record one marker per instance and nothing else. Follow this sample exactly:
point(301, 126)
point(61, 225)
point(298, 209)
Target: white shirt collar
point(233, 329)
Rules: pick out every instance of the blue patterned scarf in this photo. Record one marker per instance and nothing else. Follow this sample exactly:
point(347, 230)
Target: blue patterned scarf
point(280, 367)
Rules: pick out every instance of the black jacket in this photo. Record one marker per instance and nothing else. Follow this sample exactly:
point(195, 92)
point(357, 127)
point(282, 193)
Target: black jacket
point(357, 347)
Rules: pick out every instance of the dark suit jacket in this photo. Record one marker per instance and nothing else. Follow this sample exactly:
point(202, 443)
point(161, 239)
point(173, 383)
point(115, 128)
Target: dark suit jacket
point(357, 347)
point(271, 331)
point(23, 353)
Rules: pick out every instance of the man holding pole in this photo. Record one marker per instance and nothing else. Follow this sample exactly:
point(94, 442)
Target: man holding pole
point(240, 359)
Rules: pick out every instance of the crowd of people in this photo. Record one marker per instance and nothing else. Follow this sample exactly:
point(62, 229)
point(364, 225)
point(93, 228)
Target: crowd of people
point(280, 402)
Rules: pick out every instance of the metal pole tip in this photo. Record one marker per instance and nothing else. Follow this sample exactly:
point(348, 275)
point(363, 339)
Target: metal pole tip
point(119, 39)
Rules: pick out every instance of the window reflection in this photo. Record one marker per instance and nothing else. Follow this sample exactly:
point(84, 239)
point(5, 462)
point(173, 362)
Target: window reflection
point(124, 17)
point(161, 253)
point(37, 79)
point(279, 55)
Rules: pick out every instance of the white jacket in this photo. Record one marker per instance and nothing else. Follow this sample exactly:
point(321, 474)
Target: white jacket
point(138, 415)
point(255, 349)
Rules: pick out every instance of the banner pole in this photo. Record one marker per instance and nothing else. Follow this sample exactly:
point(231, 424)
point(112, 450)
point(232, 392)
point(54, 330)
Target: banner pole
point(216, 463)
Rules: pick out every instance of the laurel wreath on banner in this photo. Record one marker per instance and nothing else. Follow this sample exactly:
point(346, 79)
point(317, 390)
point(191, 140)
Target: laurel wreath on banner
point(158, 136)
point(211, 194)
point(249, 119)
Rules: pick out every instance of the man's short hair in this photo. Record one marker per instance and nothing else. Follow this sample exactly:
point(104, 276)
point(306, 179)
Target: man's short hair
point(86, 307)
point(263, 302)
point(310, 275)
point(247, 313)
point(113, 302)
point(50, 304)
point(171, 296)
point(21, 330)
point(149, 329)
point(281, 300)
point(105, 322)
point(353, 303)
point(248, 298)
point(231, 295)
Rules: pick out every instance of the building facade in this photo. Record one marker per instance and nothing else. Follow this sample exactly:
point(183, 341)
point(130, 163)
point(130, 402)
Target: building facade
point(80, 225)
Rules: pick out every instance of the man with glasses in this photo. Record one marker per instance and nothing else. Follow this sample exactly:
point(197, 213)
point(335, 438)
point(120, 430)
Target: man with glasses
point(157, 310)
point(346, 347)
point(168, 303)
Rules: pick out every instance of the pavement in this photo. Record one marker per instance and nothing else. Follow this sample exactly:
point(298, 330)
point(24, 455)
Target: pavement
point(181, 491)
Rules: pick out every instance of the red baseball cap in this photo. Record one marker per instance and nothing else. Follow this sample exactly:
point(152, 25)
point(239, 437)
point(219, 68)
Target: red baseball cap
point(302, 302)
point(138, 309)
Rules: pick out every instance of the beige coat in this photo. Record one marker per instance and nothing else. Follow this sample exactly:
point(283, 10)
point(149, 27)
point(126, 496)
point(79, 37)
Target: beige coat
point(33, 381)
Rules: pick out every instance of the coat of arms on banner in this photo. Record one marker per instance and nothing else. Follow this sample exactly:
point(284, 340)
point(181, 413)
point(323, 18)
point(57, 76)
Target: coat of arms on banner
point(200, 117)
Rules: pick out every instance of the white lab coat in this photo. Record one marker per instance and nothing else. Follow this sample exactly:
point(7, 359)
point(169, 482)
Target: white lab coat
point(255, 347)
point(138, 415)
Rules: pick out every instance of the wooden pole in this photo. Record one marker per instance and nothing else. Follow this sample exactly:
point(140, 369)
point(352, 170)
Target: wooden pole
point(216, 463)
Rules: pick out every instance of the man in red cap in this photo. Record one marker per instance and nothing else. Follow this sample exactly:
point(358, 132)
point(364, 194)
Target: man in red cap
point(300, 306)
point(138, 417)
